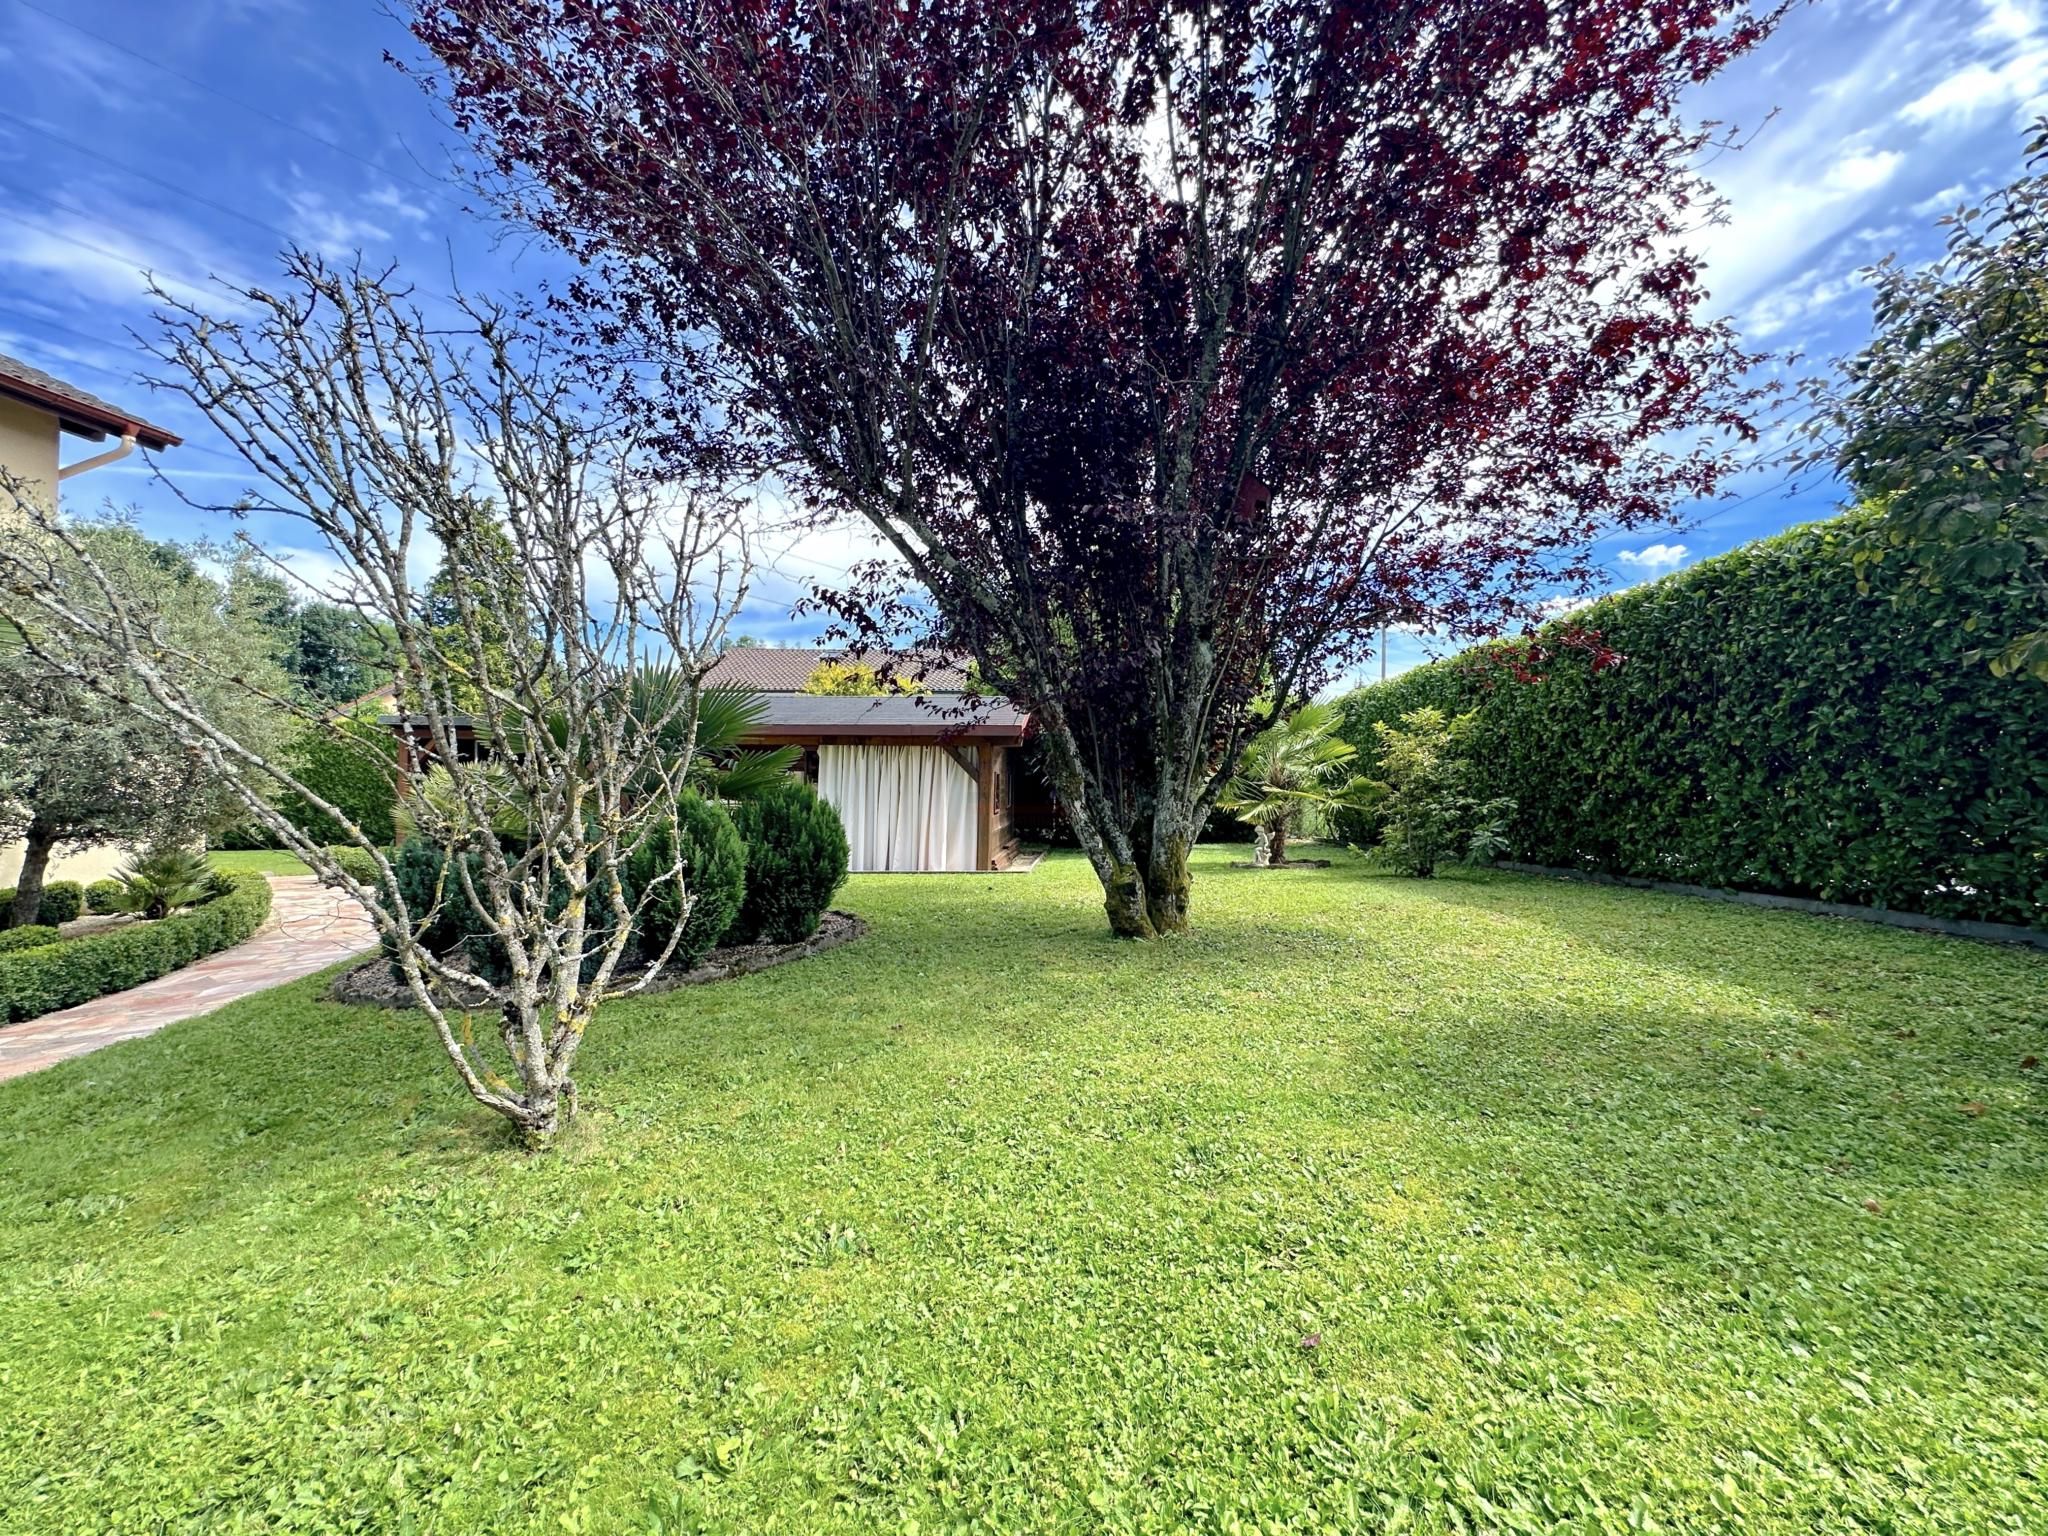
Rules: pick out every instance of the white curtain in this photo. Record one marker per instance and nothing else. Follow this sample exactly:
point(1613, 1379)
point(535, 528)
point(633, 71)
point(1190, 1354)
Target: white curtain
point(905, 808)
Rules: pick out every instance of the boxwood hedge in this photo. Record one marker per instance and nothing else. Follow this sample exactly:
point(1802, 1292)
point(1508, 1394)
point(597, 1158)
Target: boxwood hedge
point(72, 971)
point(1772, 726)
point(62, 901)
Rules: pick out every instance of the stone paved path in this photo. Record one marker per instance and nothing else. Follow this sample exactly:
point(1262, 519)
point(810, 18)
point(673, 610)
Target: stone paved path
point(310, 928)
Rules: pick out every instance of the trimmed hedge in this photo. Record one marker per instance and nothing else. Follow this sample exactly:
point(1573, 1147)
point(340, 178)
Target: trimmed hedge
point(34, 935)
point(74, 971)
point(358, 864)
point(244, 837)
point(350, 768)
point(796, 859)
point(62, 901)
point(104, 896)
point(1769, 728)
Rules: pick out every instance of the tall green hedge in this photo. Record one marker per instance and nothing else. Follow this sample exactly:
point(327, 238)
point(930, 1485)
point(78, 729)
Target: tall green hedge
point(1770, 728)
point(73, 971)
point(351, 768)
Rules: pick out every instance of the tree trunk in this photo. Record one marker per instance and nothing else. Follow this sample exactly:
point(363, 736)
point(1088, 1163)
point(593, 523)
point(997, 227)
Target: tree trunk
point(1168, 885)
point(1143, 866)
point(35, 863)
point(1148, 900)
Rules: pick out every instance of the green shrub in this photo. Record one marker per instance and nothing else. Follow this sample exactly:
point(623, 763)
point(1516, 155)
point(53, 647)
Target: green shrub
point(244, 837)
point(1428, 813)
point(103, 896)
point(1777, 723)
point(796, 859)
point(34, 935)
point(73, 971)
point(63, 900)
point(428, 887)
point(356, 863)
point(350, 767)
point(715, 877)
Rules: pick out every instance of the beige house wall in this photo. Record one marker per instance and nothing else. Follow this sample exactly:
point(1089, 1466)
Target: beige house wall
point(93, 864)
point(28, 447)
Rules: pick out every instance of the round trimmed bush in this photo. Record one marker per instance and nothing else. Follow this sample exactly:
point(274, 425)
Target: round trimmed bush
point(796, 859)
point(714, 862)
point(418, 868)
point(104, 896)
point(62, 901)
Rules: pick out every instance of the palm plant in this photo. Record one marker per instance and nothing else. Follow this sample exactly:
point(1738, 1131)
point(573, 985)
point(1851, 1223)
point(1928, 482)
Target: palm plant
point(720, 767)
point(162, 878)
point(1293, 768)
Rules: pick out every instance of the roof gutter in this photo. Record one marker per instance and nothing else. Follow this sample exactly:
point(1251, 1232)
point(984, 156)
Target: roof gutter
point(126, 447)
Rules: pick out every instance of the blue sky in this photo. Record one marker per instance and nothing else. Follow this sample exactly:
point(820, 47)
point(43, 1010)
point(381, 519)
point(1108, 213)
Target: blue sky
point(195, 136)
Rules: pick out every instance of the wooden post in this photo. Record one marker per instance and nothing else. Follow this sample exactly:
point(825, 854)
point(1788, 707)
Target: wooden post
point(985, 808)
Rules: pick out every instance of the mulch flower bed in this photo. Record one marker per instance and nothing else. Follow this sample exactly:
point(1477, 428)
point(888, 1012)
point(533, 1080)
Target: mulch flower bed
point(372, 985)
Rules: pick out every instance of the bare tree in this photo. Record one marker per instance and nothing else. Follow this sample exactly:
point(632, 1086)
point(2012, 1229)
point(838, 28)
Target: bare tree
point(532, 756)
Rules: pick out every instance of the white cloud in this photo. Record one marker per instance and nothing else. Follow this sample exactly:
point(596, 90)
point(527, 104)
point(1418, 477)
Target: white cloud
point(1865, 171)
point(1947, 200)
point(391, 200)
point(103, 261)
point(1814, 172)
point(335, 232)
point(110, 82)
point(1806, 295)
point(1655, 557)
point(1977, 88)
point(2015, 20)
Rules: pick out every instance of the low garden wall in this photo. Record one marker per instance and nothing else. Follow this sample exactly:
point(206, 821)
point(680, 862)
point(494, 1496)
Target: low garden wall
point(1778, 721)
point(47, 976)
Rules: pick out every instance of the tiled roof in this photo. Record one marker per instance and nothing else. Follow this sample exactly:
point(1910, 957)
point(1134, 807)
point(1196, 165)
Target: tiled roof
point(894, 715)
point(772, 669)
point(85, 414)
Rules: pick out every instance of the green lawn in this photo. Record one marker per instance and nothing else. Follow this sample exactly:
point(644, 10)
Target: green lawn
point(257, 862)
point(1482, 1204)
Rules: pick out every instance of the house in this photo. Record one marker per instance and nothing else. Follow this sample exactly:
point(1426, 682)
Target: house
point(37, 411)
point(928, 782)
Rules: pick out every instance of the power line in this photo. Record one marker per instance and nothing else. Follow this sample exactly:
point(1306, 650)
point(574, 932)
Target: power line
point(68, 330)
point(127, 258)
point(156, 181)
point(198, 84)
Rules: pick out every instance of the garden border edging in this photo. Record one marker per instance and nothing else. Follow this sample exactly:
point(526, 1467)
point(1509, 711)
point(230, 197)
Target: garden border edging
point(369, 985)
point(1950, 927)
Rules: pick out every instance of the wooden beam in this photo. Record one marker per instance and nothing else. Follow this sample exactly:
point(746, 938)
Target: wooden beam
point(963, 758)
point(985, 810)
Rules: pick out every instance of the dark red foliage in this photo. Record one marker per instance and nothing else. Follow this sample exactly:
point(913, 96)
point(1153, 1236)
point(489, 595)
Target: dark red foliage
point(1175, 349)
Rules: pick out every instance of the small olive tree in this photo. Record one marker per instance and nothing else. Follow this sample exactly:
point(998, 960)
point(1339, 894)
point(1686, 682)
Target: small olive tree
point(567, 572)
